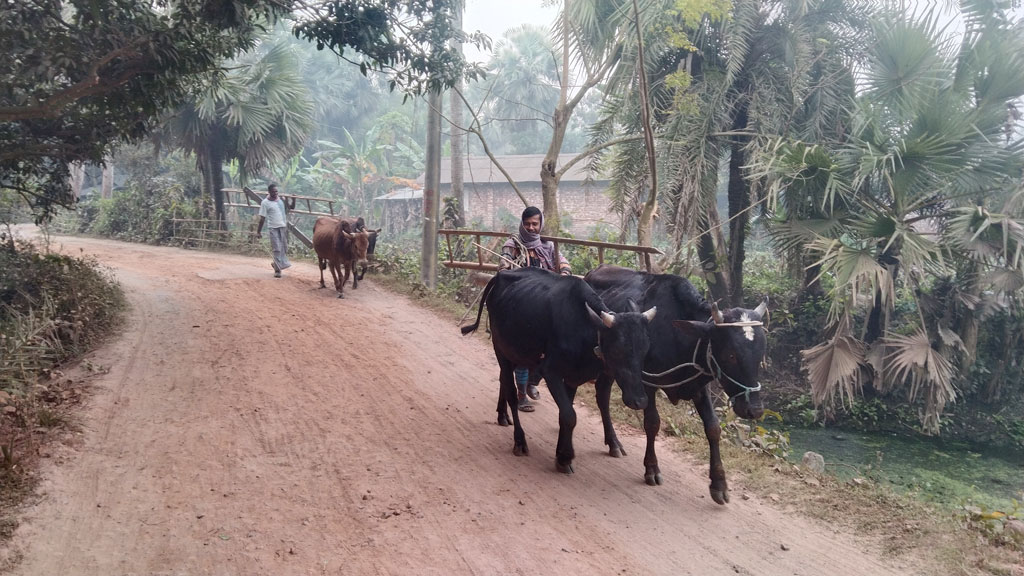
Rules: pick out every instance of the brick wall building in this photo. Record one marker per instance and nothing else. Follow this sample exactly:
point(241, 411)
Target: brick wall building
point(493, 204)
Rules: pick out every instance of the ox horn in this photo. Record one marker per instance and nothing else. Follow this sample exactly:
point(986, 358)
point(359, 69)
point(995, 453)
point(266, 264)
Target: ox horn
point(608, 319)
point(762, 308)
point(649, 314)
point(716, 314)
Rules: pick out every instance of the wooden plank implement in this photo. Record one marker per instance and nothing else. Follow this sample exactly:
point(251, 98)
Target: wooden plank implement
point(252, 200)
point(480, 264)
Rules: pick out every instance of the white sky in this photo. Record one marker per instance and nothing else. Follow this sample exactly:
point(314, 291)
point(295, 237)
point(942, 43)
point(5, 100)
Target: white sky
point(493, 17)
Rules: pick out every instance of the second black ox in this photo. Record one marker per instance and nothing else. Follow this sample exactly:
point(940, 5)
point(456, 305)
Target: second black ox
point(560, 326)
point(692, 343)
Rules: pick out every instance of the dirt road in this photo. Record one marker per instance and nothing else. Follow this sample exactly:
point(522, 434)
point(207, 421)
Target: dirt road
point(252, 426)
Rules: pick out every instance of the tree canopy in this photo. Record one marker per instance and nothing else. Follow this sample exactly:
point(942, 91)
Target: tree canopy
point(78, 77)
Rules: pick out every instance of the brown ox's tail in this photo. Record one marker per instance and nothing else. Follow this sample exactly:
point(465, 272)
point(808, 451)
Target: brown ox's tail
point(483, 300)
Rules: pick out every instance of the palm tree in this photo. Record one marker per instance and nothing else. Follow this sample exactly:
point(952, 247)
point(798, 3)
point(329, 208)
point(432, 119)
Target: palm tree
point(916, 199)
point(525, 86)
point(256, 112)
point(771, 68)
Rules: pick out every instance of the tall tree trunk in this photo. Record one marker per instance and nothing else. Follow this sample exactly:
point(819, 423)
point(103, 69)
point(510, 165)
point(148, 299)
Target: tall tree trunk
point(458, 157)
point(431, 202)
point(559, 122)
point(77, 179)
point(646, 220)
point(457, 134)
point(108, 177)
point(710, 251)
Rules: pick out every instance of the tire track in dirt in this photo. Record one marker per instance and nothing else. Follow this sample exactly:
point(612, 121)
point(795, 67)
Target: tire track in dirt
point(258, 426)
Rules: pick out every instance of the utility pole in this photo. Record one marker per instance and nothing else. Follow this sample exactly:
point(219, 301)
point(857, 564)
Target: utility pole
point(431, 184)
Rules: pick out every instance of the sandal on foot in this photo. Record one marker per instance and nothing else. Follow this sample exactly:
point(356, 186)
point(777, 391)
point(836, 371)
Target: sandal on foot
point(525, 405)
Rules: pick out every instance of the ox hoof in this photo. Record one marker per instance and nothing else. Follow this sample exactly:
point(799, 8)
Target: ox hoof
point(720, 496)
point(341, 295)
point(616, 451)
point(653, 479)
point(565, 468)
point(521, 451)
point(503, 420)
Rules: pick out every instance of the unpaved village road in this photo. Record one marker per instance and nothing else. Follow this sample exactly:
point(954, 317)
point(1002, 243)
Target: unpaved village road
point(255, 426)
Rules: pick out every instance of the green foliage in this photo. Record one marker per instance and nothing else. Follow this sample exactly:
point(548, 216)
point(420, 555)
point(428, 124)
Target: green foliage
point(407, 39)
point(753, 436)
point(583, 259)
point(1012, 427)
point(908, 212)
point(992, 523)
point(142, 212)
point(78, 77)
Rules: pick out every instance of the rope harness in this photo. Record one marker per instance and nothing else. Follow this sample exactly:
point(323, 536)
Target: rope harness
point(711, 367)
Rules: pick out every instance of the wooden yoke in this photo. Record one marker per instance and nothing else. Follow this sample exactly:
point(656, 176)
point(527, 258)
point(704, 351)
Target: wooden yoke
point(479, 264)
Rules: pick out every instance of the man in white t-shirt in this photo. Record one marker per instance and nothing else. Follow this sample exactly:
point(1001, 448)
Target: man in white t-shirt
point(273, 211)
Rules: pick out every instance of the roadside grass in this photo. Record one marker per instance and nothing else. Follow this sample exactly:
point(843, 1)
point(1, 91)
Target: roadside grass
point(935, 540)
point(53, 309)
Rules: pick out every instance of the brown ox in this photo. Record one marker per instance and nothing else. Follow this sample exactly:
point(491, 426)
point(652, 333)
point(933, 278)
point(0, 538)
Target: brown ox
point(336, 245)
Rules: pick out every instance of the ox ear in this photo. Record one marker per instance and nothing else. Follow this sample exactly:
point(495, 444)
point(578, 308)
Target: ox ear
point(377, 231)
point(649, 314)
point(698, 330)
point(762, 309)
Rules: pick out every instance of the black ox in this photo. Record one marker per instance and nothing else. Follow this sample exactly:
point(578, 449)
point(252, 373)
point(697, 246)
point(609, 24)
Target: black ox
point(692, 343)
point(557, 324)
point(358, 224)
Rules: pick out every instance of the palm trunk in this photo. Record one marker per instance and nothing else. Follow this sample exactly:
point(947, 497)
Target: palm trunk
point(878, 320)
point(709, 250)
point(969, 324)
point(739, 216)
point(215, 172)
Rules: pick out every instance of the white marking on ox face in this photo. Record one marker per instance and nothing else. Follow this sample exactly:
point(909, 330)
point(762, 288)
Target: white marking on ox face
point(748, 332)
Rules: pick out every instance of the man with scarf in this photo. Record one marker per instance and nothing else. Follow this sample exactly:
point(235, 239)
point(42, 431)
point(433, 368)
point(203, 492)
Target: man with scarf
point(272, 211)
point(538, 254)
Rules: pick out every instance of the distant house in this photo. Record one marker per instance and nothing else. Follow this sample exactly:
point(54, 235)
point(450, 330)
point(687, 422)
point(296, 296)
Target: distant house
point(491, 201)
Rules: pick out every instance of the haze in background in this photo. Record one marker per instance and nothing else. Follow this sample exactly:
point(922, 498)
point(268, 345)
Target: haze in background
point(494, 17)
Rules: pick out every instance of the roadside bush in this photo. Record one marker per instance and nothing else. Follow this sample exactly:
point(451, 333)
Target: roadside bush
point(143, 211)
point(52, 308)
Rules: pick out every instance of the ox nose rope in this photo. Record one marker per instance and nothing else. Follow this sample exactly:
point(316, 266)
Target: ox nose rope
point(714, 369)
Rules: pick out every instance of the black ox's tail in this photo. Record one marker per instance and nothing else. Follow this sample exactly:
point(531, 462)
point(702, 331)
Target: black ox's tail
point(480, 311)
